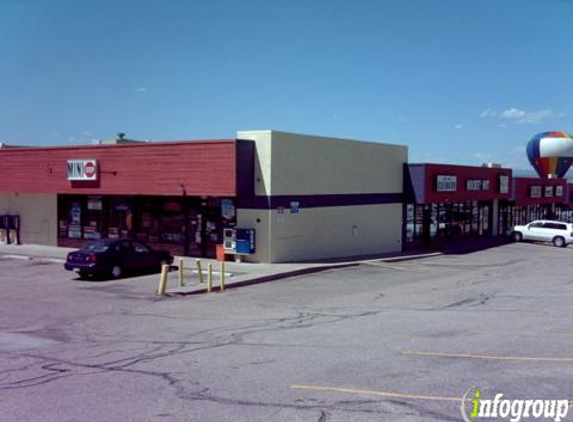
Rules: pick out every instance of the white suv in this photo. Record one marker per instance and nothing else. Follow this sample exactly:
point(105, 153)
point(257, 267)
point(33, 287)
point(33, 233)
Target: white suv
point(558, 232)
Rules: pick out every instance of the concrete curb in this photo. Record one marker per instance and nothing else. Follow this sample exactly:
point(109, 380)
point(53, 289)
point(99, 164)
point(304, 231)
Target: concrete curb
point(266, 278)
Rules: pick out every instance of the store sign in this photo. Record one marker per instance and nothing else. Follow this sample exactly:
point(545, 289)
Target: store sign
point(446, 183)
point(82, 170)
point(503, 184)
point(558, 190)
point(548, 191)
point(485, 185)
point(473, 185)
point(535, 192)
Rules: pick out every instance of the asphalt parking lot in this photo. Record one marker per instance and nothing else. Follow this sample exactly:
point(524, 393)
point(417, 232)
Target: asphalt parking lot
point(382, 341)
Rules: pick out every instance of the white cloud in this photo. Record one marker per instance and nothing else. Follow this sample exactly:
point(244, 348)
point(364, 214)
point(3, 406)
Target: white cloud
point(141, 89)
point(402, 119)
point(513, 113)
point(458, 126)
point(519, 117)
point(487, 113)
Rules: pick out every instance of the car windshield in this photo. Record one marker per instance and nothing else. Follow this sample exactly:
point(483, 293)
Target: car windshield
point(96, 247)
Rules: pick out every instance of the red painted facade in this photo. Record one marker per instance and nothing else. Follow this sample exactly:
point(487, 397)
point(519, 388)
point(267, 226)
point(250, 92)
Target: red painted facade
point(197, 168)
point(523, 192)
point(430, 173)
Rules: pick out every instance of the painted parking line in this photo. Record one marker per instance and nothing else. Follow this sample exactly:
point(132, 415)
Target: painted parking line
point(378, 393)
point(22, 257)
point(488, 357)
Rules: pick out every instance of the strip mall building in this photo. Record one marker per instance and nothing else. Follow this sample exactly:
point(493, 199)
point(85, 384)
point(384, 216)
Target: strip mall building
point(272, 196)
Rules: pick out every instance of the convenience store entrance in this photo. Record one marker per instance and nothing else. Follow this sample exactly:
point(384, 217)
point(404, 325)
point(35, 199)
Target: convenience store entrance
point(191, 226)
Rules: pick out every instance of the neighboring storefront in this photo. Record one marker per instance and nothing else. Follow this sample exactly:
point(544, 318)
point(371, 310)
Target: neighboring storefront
point(535, 198)
point(443, 202)
point(564, 210)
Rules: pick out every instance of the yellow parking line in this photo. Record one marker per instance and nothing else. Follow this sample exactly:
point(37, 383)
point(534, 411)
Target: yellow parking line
point(489, 357)
point(386, 394)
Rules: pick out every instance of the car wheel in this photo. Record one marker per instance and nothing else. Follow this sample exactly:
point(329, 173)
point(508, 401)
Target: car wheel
point(559, 242)
point(517, 237)
point(83, 275)
point(116, 271)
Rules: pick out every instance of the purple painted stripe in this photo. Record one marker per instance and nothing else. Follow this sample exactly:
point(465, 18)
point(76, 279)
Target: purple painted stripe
point(315, 201)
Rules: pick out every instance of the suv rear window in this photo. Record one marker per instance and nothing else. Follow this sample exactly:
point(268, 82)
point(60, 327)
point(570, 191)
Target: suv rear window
point(555, 226)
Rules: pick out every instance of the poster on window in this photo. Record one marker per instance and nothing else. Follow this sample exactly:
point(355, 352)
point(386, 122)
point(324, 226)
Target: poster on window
point(75, 226)
point(227, 209)
point(95, 203)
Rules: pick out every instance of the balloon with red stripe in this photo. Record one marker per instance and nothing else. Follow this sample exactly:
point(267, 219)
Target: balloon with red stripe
point(551, 153)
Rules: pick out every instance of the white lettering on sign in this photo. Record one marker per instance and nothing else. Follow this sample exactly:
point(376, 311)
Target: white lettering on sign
point(86, 170)
point(485, 185)
point(472, 185)
point(446, 183)
point(535, 192)
point(503, 184)
point(548, 191)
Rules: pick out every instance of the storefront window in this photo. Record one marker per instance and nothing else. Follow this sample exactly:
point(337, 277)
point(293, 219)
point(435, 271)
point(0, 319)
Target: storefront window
point(120, 219)
point(92, 221)
point(74, 221)
point(172, 223)
point(147, 226)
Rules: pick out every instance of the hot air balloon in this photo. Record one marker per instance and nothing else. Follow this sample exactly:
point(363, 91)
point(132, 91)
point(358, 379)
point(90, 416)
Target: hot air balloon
point(551, 153)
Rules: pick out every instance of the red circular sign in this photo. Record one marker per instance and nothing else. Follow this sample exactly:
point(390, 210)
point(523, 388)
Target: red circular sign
point(90, 170)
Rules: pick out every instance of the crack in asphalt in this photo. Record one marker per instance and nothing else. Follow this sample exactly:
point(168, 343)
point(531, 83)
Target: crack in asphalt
point(59, 368)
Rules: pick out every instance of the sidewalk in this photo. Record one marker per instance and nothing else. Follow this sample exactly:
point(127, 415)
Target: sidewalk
point(242, 274)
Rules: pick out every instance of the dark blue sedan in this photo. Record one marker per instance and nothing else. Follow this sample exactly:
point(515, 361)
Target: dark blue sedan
point(111, 257)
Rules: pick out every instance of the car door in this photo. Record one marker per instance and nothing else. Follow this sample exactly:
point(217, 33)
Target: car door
point(143, 256)
point(127, 257)
point(535, 231)
point(555, 229)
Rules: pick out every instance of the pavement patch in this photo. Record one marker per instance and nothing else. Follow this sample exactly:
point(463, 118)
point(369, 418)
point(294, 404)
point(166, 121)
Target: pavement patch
point(17, 341)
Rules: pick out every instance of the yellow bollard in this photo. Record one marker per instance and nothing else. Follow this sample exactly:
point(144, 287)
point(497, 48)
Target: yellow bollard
point(199, 270)
point(210, 278)
point(222, 276)
point(181, 282)
point(163, 280)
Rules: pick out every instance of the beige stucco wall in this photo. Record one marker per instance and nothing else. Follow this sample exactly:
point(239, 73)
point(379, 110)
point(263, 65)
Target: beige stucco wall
point(293, 164)
point(320, 233)
point(38, 216)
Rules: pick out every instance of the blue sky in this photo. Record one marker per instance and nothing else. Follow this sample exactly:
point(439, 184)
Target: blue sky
point(458, 81)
